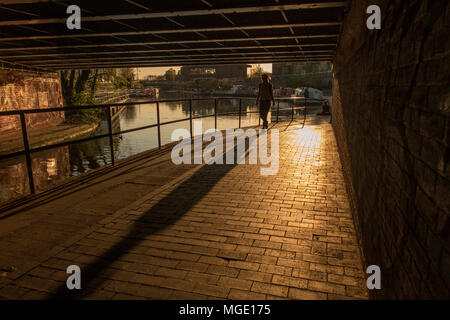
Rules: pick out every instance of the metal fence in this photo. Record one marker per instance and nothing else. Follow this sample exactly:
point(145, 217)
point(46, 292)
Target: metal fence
point(27, 150)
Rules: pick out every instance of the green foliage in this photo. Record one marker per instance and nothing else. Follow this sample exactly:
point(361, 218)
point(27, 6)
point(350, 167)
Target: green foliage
point(207, 84)
point(139, 85)
point(78, 87)
point(256, 72)
point(120, 78)
point(85, 115)
point(170, 75)
point(123, 78)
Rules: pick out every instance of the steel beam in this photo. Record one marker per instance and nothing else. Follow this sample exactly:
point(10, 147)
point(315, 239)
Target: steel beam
point(190, 63)
point(184, 13)
point(130, 44)
point(193, 30)
point(176, 63)
point(76, 54)
point(131, 57)
point(204, 59)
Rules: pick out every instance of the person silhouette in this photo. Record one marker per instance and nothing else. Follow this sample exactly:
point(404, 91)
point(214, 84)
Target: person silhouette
point(265, 96)
point(325, 108)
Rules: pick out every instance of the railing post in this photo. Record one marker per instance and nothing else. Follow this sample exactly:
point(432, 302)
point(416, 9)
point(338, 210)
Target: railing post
point(190, 115)
point(26, 147)
point(215, 114)
point(110, 133)
point(240, 109)
point(331, 114)
point(304, 112)
point(258, 104)
point(278, 109)
point(292, 111)
point(159, 126)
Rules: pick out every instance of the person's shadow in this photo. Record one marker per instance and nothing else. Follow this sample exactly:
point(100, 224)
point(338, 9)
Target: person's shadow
point(178, 202)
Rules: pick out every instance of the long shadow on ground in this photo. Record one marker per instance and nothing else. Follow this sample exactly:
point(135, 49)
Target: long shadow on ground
point(163, 214)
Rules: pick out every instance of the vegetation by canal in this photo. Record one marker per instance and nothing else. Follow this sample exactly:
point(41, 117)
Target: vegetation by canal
point(80, 87)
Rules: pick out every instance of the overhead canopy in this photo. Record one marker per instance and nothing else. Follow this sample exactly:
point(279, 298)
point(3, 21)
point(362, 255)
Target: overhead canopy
point(143, 33)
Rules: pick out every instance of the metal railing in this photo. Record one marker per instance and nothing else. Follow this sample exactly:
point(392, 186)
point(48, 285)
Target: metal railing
point(27, 151)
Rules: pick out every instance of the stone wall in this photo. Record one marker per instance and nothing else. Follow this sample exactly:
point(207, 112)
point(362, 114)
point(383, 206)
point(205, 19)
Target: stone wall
point(19, 90)
point(391, 107)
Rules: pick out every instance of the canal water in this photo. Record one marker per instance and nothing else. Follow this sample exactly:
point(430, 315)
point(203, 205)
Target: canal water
point(55, 165)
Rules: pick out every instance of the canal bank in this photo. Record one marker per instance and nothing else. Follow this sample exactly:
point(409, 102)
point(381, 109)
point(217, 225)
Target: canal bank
point(44, 135)
point(51, 132)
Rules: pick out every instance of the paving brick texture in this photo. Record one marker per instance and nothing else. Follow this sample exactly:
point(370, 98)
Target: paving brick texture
point(221, 232)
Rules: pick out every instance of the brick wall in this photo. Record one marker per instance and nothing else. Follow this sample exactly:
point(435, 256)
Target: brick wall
point(20, 90)
point(391, 107)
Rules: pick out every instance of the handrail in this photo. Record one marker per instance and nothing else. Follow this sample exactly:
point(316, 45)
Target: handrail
point(28, 151)
point(96, 106)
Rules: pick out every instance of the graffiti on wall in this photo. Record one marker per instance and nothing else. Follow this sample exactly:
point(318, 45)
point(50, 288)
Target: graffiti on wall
point(21, 91)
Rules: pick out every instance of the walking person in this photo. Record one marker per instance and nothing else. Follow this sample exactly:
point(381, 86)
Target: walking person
point(265, 96)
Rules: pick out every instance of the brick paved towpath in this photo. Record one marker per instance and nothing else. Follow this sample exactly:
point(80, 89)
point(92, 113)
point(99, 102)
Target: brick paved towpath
point(208, 232)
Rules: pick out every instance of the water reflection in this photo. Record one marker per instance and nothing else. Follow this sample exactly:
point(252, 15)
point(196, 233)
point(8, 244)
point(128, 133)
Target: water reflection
point(49, 168)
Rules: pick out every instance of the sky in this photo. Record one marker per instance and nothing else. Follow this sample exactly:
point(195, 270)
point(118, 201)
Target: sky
point(156, 71)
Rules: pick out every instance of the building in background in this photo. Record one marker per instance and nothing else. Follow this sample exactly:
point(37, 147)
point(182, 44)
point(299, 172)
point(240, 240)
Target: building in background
point(300, 68)
point(232, 71)
point(283, 74)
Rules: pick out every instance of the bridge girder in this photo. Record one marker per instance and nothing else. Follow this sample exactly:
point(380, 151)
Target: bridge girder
point(138, 33)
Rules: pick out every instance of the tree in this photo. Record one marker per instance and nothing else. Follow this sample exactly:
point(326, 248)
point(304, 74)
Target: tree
point(127, 76)
point(73, 84)
point(123, 78)
point(256, 71)
point(120, 78)
point(207, 84)
point(78, 88)
point(170, 75)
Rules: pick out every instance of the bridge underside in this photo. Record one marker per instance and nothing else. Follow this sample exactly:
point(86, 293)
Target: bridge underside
point(139, 33)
